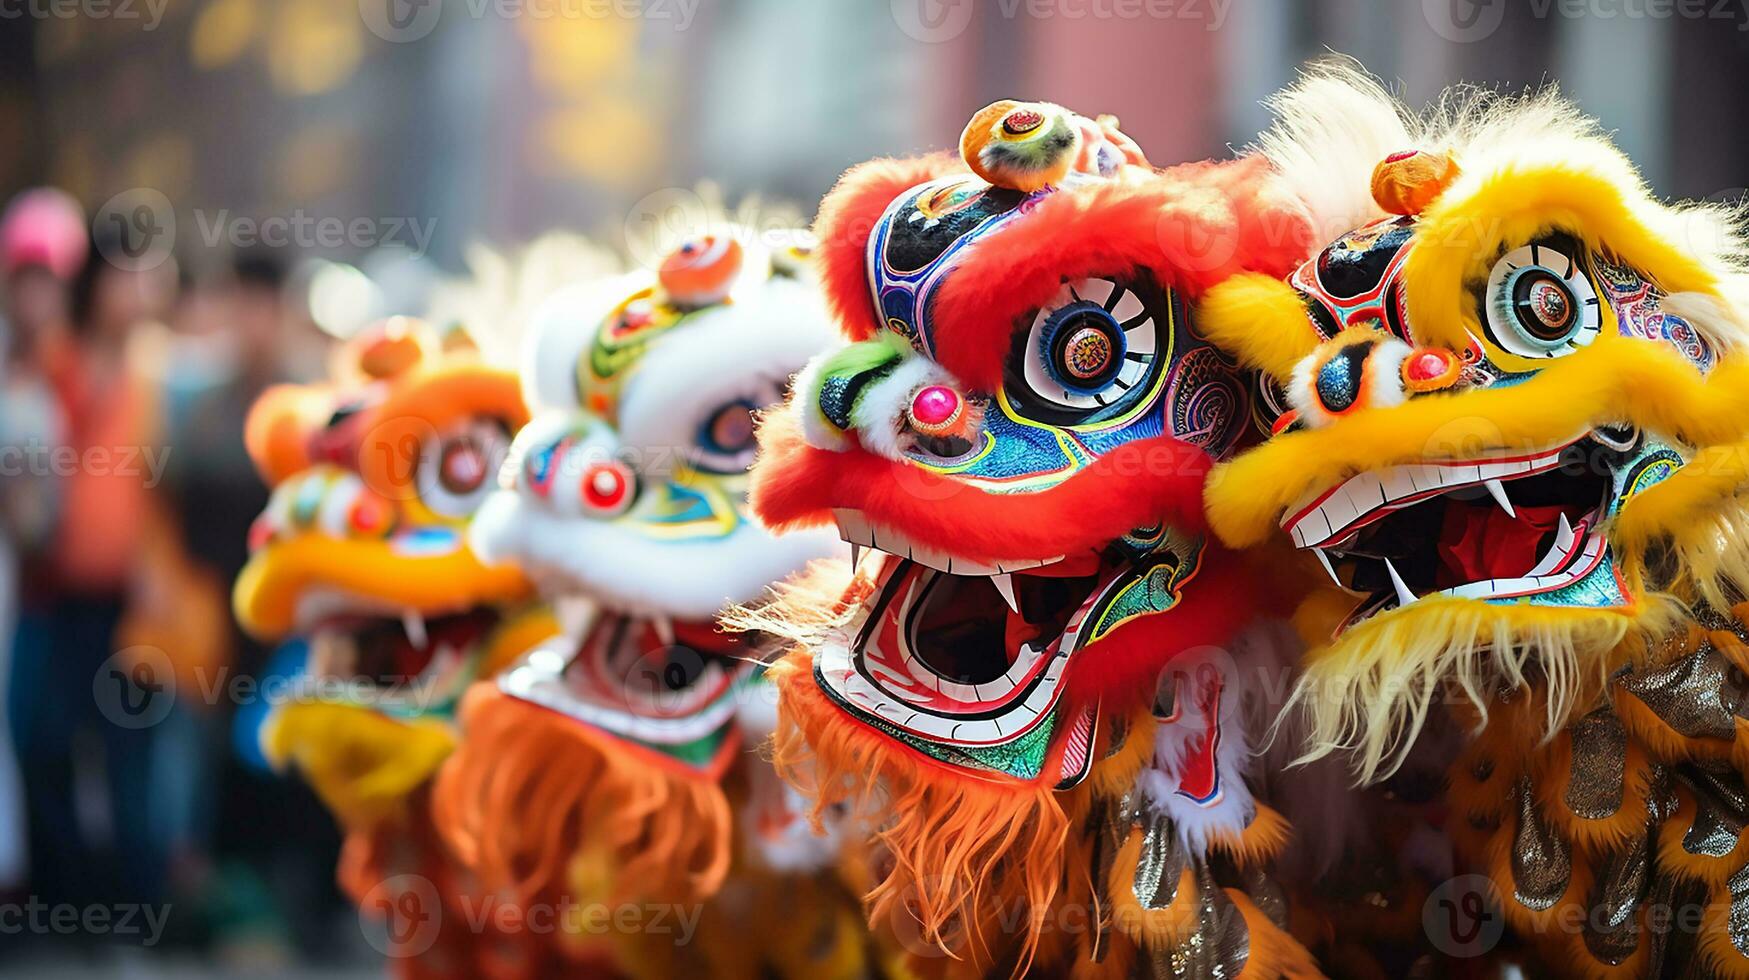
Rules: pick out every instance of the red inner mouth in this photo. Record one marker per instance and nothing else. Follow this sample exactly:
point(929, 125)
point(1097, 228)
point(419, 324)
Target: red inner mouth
point(627, 663)
point(386, 655)
point(1479, 541)
point(1464, 536)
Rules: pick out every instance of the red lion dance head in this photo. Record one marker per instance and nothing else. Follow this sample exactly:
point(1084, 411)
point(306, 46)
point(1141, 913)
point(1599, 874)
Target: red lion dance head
point(1019, 430)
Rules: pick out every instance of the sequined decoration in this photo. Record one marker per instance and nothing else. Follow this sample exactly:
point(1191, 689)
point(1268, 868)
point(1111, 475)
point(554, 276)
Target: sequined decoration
point(1694, 695)
point(1219, 945)
point(1612, 930)
point(1597, 773)
point(1739, 921)
point(1720, 810)
point(1159, 866)
point(1672, 954)
point(1267, 894)
point(1541, 861)
point(1108, 826)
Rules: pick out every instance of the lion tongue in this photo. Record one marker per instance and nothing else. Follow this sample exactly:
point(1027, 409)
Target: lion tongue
point(1477, 543)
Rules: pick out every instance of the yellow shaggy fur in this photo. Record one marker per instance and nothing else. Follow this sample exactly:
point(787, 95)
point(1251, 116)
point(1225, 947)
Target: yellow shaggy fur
point(1530, 165)
point(1232, 311)
point(362, 764)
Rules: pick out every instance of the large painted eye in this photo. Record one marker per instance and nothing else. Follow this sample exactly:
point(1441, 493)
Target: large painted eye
point(725, 442)
point(1538, 302)
point(1088, 352)
point(456, 469)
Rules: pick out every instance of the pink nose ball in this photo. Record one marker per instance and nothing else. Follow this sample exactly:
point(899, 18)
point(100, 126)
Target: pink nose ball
point(934, 407)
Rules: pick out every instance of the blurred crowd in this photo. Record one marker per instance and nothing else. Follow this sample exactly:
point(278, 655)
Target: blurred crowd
point(125, 502)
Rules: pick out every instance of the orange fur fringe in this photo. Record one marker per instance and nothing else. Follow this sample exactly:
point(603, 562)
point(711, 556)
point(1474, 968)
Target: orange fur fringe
point(965, 852)
point(530, 792)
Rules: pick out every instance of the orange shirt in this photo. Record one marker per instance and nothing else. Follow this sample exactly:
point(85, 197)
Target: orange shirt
point(104, 478)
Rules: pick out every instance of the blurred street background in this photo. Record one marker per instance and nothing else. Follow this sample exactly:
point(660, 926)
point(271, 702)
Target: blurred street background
point(235, 183)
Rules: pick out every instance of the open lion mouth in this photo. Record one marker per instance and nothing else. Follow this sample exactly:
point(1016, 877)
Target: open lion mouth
point(654, 668)
point(960, 652)
point(412, 661)
point(668, 684)
point(1485, 529)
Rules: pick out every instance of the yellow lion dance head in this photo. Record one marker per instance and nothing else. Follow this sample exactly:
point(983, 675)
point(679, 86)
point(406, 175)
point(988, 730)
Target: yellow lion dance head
point(1506, 404)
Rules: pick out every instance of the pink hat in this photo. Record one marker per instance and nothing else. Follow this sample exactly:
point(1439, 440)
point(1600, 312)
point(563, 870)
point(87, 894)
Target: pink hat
point(43, 226)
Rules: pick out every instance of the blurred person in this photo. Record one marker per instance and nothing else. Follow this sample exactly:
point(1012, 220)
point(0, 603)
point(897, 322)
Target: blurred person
point(269, 884)
point(42, 243)
point(42, 246)
point(97, 831)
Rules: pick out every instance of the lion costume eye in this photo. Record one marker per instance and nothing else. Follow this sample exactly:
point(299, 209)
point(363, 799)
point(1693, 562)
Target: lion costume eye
point(1086, 351)
point(1538, 302)
point(725, 442)
point(456, 469)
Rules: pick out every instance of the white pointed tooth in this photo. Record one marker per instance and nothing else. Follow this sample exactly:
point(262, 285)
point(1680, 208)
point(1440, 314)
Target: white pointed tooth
point(573, 614)
point(855, 556)
point(1557, 555)
point(1005, 585)
point(664, 629)
point(1497, 490)
point(1404, 596)
point(414, 623)
point(1324, 559)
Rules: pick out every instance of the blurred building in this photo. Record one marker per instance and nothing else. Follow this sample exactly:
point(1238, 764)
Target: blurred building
point(497, 119)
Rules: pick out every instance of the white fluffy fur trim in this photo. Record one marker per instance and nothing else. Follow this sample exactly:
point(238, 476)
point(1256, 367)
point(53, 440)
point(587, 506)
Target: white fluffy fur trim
point(1175, 741)
point(818, 432)
point(881, 410)
point(634, 573)
point(1333, 126)
point(1381, 379)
